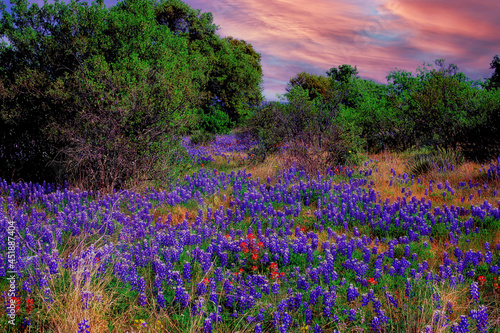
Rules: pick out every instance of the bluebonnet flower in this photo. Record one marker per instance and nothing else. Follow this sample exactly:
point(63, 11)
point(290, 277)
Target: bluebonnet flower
point(327, 311)
point(375, 324)
point(275, 288)
point(207, 326)
point(287, 320)
point(186, 273)
point(160, 299)
point(474, 291)
point(352, 315)
point(27, 322)
point(391, 299)
point(213, 297)
point(427, 329)
point(83, 326)
point(201, 288)
point(352, 293)
point(462, 326)
point(449, 308)
point(481, 317)
point(276, 319)
point(408, 288)
point(436, 298)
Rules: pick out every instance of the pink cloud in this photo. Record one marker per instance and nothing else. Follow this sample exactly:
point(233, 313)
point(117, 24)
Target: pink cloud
point(377, 36)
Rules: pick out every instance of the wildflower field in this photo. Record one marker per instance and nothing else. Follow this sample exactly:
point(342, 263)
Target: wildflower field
point(241, 246)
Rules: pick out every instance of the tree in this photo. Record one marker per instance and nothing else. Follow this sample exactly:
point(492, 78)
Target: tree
point(373, 118)
point(316, 85)
point(343, 78)
point(103, 94)
point(434, 107)
point(344, 74)
point(494, 81)
point(100, 93)
point(231, 74)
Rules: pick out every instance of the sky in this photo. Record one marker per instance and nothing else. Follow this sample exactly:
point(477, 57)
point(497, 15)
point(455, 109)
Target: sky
point(377, 36)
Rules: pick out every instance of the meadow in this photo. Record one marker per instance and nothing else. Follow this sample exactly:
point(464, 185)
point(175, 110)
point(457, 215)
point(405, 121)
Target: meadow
point(241, 246)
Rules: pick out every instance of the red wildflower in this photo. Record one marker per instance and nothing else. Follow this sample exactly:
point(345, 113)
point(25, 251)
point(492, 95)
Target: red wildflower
point(241, 270)
point(254, 268)
point(260, 244)
point(250, 236)
point(244, 247)
point(202, 165)
point(16, 301)
point(29, 305)
point(372, 281)
point(481, 279)
point(206, 280)
point(255, 256)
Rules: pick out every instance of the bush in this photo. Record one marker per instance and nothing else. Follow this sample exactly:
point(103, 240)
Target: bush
point(306, 132)
point(428, 160)
point(216, 121)
point(201, 137)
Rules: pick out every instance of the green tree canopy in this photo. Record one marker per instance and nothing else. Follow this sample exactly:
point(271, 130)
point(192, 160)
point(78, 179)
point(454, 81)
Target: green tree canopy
point(316, 85)
point(105, 92)
point(494, 81)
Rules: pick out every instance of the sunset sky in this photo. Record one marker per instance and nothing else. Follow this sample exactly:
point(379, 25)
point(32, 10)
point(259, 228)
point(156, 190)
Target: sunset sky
point(375, 35)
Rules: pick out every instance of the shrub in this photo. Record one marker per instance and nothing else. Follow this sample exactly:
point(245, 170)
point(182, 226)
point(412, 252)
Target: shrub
point(428, 160)
point(306, 132)
point(201, 137)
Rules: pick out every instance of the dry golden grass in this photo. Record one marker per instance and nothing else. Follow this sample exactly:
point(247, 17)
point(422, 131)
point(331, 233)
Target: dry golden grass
point(67, 309)
point(468, 170)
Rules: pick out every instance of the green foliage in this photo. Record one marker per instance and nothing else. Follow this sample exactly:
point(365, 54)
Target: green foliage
point(216, 121)
point(494, 81)
point(439, 230)
point(343, 74)
point(266, 124)
point(427, 160)
point(316, 85)
point(309, 129)
point(481, 140)
point(101, 95)
point(372, 120)
point(343, 83)
point(201, 137)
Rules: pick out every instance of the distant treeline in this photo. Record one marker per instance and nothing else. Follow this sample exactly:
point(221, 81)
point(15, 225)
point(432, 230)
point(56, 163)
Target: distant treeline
point(98, 94)
point(330, 118)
